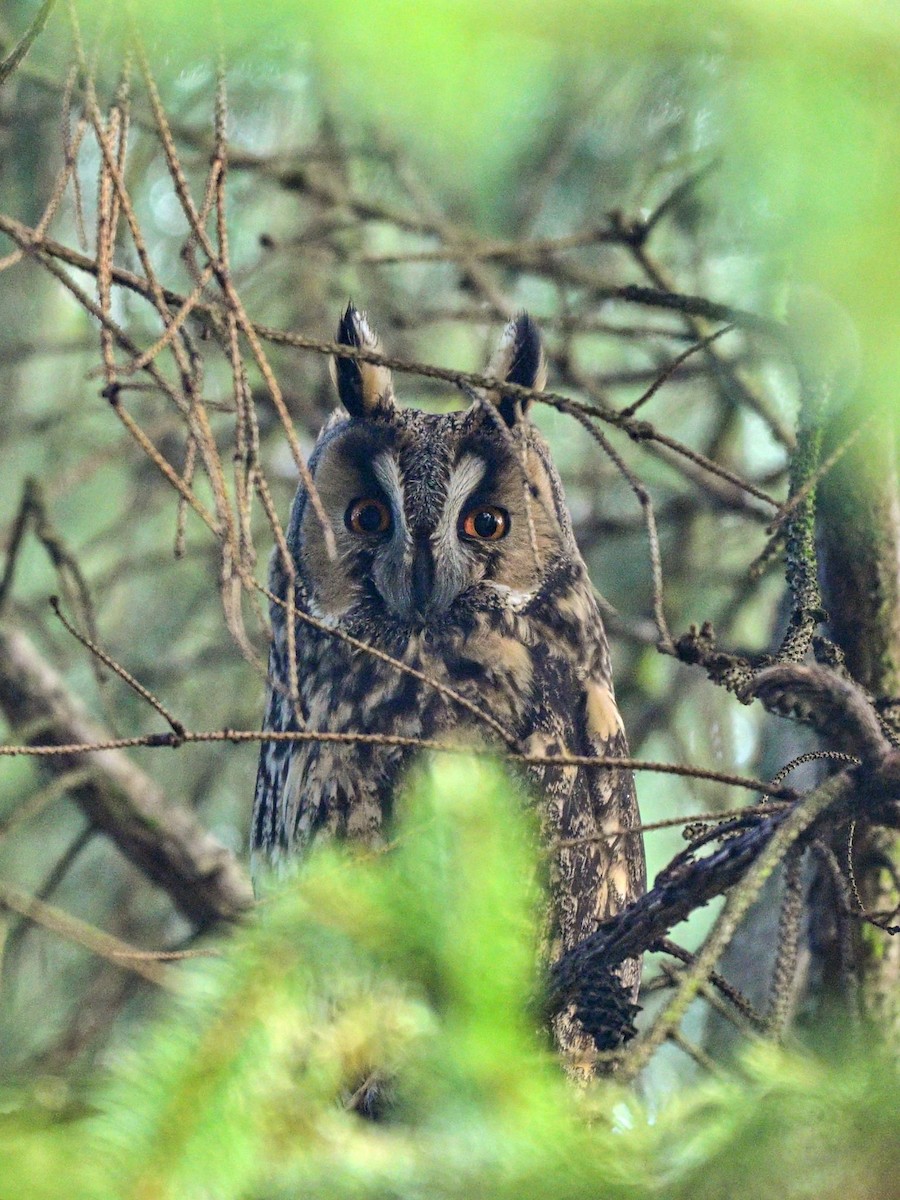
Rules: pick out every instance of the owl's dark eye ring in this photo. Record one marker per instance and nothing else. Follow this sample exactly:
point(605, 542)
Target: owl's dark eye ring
point(484, 523)
point(368, 517)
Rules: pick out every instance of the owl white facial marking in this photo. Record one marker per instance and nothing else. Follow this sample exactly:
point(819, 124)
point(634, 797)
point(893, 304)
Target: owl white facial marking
point(387, 472)
point(463, 480)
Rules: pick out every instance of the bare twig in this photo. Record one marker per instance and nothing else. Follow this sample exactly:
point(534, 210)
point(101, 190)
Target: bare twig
point(66, 926)
point(784, 973)
point(670, 370)
point(108, 661)
point(12, 60)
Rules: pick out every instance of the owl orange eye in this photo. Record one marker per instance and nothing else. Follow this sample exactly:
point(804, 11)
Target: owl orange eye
point(368, 517)
point(485, 523)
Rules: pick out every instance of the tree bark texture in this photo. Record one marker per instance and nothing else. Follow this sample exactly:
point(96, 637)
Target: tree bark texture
point(859, 546)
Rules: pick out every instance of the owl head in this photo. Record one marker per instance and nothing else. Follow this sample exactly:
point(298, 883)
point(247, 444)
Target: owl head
point(434, 514)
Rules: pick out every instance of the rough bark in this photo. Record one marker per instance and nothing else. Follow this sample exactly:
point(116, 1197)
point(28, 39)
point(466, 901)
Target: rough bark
point(859, 534)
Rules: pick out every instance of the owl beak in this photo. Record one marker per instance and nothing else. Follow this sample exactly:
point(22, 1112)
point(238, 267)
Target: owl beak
point(422, 576)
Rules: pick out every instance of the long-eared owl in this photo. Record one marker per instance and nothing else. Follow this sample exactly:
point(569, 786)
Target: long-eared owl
point(454, 555)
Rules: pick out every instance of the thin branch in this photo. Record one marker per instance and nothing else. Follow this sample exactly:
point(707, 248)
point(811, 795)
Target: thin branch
point(716, 817)
point(719, 982)
point(174, 741)
point(176, 726)
point(670, 370)
point(643, 497)
point(166, 843)
point(64, 925)
point(784, 973)
point(17, 54)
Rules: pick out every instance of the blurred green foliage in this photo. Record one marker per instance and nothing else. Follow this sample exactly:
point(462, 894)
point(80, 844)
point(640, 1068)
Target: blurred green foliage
point(417, 963)
point(809, 92)
point(789, 1127)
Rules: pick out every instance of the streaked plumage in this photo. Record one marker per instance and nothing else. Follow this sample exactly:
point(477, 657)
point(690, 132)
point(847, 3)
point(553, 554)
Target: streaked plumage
point(455, 556)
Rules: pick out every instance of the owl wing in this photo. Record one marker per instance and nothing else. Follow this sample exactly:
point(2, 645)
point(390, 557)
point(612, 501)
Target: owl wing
point(267, 829)
point(316, 789)
point(596, 867)
point(613, 796)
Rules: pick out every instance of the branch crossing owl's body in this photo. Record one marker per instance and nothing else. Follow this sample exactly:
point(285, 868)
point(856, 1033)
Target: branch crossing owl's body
point(455, 557)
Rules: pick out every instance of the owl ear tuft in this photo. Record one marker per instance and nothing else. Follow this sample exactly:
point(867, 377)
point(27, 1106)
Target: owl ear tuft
point(519, 358)
point(365, 389)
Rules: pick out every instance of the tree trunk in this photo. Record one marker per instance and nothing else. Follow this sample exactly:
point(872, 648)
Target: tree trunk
point(859, 534)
